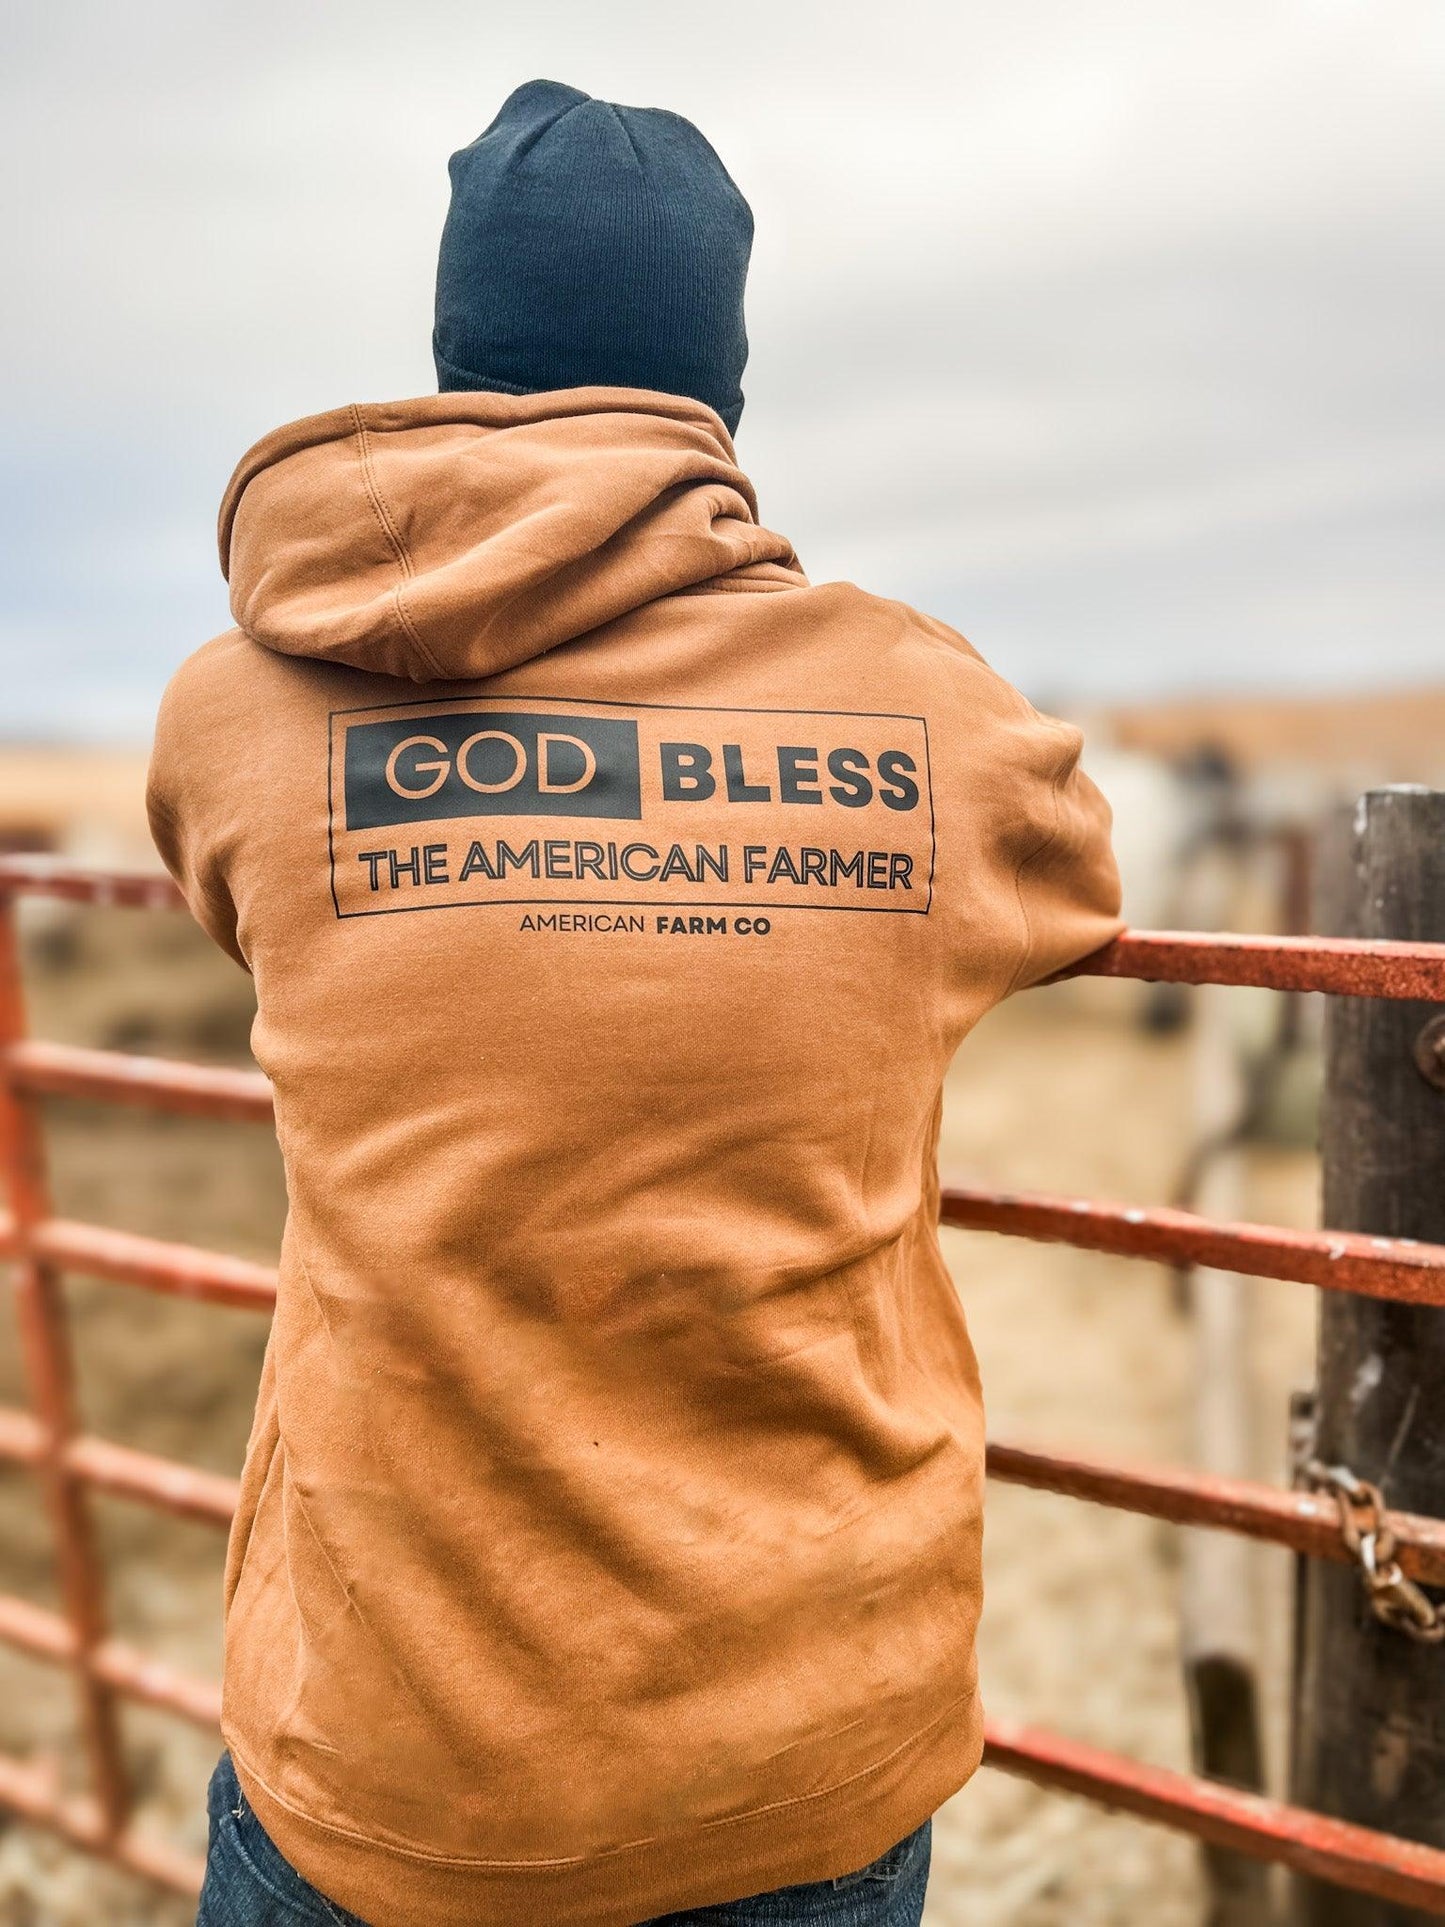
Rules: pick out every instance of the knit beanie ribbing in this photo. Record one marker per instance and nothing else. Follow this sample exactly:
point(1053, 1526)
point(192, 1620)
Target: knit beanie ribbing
point(591, 244)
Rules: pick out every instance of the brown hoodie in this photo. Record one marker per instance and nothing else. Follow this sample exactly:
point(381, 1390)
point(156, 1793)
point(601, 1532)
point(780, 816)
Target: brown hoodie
point(616, 899)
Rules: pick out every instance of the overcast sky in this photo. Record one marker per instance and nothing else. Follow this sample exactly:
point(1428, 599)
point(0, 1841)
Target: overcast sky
point(1108, 330)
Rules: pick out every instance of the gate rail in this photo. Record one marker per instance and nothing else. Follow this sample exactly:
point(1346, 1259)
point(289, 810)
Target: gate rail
point(69, 1464)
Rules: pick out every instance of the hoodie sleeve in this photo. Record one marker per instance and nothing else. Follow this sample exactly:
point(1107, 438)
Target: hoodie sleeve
point(181, 824)
point(1048, 828)
point(1066, 879)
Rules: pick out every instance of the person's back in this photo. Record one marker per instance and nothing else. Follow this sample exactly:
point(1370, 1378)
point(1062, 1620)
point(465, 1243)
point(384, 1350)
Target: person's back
point(616, 900)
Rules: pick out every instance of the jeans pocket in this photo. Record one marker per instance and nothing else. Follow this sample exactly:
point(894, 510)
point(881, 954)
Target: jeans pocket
point(250, 1883)
point(888, 1868)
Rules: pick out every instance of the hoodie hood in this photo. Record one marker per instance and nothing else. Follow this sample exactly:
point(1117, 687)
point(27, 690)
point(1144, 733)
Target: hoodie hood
point(457, 535)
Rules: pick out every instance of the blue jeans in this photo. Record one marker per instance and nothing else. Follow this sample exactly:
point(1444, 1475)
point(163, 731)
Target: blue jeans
point(248, 1884)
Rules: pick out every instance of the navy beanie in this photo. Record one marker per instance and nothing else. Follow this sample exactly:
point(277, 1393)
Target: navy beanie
point(588, 244)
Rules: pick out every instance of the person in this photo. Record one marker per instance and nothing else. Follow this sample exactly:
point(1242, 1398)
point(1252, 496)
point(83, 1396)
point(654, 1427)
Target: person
point(609, 1541)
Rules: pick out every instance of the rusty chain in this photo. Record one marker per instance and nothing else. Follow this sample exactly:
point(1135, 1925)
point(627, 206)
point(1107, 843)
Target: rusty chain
point(1365, 1528)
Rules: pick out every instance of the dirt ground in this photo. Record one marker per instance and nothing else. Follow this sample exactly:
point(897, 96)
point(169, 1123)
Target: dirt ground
point(1061, 1091)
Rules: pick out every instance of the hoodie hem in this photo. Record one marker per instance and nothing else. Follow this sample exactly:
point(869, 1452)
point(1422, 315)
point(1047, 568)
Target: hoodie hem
point(815, 1836)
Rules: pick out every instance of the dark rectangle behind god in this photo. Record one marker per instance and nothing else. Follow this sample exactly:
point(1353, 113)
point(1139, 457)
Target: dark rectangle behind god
point(491, 763)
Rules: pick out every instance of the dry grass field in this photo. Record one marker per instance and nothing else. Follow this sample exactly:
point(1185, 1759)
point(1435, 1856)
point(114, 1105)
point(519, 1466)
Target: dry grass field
point(1359, 737)
point(1056, 1091)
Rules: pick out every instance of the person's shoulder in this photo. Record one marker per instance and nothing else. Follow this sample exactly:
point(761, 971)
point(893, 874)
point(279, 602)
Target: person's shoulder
point(900, 622)
point(224, 677)
point(229, 657)
point(945, 659)
point(947, 648)
point(209, 713)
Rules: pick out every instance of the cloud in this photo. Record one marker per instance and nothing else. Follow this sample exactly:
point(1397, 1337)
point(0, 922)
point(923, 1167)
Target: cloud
point(1108, 333)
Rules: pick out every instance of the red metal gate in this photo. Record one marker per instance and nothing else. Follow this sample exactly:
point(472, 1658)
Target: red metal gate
point(67, 1464)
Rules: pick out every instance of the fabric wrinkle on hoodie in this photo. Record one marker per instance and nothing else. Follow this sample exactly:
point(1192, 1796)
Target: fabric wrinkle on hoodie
point(616, 899)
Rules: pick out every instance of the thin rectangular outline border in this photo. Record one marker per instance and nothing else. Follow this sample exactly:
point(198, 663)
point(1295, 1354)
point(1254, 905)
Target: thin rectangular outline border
point(681, 903)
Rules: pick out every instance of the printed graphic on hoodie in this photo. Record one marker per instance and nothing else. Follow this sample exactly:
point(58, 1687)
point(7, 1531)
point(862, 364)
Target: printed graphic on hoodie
point(511, 800)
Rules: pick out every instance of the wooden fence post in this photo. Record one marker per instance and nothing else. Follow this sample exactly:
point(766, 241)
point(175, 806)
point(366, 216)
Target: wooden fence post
point(1369, 1714)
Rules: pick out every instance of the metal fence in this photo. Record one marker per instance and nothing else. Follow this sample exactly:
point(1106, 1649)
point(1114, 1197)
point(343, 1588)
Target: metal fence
point(68, 1464)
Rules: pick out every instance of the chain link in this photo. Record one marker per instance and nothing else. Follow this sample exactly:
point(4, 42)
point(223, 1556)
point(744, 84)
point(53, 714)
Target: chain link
point(1365, 1528)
